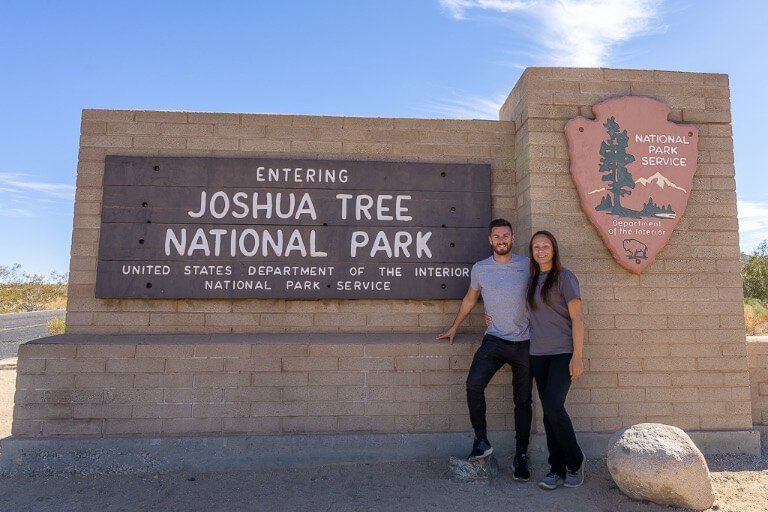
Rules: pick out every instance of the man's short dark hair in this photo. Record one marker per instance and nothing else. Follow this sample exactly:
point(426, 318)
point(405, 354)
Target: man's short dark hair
point(500, 223)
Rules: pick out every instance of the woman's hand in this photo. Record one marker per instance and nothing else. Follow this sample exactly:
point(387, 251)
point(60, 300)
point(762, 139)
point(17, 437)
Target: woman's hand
point(575, 367)
point(488, 320)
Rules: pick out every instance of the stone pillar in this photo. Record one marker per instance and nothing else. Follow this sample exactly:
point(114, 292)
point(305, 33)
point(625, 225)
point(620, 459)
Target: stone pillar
point(667, 345)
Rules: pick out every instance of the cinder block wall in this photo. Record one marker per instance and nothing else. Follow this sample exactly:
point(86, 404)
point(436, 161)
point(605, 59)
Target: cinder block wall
point(667, 345)
point(758, 378)
point(88, 386)
point(153, 133)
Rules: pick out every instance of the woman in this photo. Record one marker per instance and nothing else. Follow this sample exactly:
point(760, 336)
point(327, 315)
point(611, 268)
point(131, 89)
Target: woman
point(557, 340)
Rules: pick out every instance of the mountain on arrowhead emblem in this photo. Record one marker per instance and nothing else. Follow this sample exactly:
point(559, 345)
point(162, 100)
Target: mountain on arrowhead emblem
point(633, 170)
point(660, 181)
point(657, 179)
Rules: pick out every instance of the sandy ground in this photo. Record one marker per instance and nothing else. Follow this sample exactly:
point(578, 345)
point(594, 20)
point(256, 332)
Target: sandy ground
point(369, 487)
point(7, 388)
point(740, 482)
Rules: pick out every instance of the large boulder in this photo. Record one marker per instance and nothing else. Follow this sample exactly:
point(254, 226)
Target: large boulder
point(660, 463)
point(483, 470)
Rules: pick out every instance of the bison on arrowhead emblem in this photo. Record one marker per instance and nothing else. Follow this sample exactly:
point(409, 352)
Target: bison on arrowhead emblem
point(634, 172)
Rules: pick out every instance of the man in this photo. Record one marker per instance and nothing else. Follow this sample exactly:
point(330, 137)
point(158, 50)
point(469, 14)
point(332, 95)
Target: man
point(502, 280)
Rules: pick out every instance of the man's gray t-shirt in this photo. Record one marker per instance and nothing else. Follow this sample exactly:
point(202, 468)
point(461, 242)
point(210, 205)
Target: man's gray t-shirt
point(503, 287)
point(551, 330)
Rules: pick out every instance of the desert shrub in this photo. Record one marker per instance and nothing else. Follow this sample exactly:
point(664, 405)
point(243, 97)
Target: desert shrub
point(20, 291)
point(755, 317)
point(56, 325)
point(756, 304)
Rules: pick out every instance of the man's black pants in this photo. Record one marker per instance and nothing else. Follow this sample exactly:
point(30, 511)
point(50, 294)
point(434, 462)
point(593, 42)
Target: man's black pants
point(553, 380)
point(489, 358)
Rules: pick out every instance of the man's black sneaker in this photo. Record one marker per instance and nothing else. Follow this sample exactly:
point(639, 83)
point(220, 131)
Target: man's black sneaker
point(520, 465)
point(481, 448)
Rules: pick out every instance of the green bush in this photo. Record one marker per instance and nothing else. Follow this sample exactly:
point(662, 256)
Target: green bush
point(754, 273)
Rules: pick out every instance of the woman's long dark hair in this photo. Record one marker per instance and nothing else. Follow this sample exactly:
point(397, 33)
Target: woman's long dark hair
point(552, 276)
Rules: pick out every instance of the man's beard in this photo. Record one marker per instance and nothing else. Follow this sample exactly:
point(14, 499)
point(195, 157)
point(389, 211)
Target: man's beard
point(502, 252)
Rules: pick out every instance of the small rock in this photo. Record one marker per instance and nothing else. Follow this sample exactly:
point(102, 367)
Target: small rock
point(462, 470)
point(660, 463)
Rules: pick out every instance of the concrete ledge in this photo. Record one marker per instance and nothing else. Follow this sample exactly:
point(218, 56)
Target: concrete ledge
point(258, 338)
point(152, 455)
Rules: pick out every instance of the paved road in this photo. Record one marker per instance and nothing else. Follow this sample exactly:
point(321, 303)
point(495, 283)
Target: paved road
point(16, 328)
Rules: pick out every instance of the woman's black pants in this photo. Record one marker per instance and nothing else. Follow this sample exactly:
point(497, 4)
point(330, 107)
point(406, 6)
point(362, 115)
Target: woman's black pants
point(553, 381)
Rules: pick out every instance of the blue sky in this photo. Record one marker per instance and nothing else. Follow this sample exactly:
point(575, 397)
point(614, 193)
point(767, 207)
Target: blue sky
point(424, 58)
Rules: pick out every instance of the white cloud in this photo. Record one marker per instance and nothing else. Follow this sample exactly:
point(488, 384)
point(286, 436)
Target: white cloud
point(464, 106)
point(753, 224)
point(20, 183)
point(22, 196)
point(14, 212)
point(581, 33)
point(458, 8)
point(569, 33)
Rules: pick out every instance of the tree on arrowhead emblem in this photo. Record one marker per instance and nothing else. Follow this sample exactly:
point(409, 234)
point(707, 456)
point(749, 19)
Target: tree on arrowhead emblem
point(613, 164)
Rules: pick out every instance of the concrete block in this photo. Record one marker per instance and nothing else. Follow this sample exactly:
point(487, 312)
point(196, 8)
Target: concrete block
point(309, 424)
point(157, 116)
point(148, 142)
point(182, 426)
point(142, 365)
point(261, 364)
point(113, 427)
point(254, 394)
point(316, 363)
point(91, 365)
point(221, 380)
point(223, 410)
point(283, 379)
point(336, 378)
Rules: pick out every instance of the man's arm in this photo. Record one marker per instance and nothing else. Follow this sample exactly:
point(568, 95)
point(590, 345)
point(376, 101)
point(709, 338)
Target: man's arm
point(470, 299)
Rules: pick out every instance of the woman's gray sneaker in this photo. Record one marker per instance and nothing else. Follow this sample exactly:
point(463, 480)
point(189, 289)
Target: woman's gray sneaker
point(551, 481)
point(481, 448)
point(576, 478)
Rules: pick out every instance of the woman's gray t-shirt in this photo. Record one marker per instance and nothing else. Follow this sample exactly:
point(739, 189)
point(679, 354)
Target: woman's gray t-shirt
point(551, 331)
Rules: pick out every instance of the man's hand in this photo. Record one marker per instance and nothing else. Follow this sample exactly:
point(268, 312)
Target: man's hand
point(488, 320)
point(448, 335)
point(469, 301)
point(575, 367)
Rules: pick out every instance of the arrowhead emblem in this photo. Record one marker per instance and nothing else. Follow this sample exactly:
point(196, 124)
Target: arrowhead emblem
point(634, 172)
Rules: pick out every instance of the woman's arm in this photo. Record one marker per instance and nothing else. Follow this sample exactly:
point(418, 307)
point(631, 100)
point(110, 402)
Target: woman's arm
point(576, 366)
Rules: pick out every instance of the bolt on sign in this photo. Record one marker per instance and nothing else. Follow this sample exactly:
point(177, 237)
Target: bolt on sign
point(634, 172)
point(203, 227)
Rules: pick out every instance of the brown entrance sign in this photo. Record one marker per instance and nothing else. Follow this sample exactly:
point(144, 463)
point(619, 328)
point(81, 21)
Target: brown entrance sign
point(634, 172)
point(279, 228)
